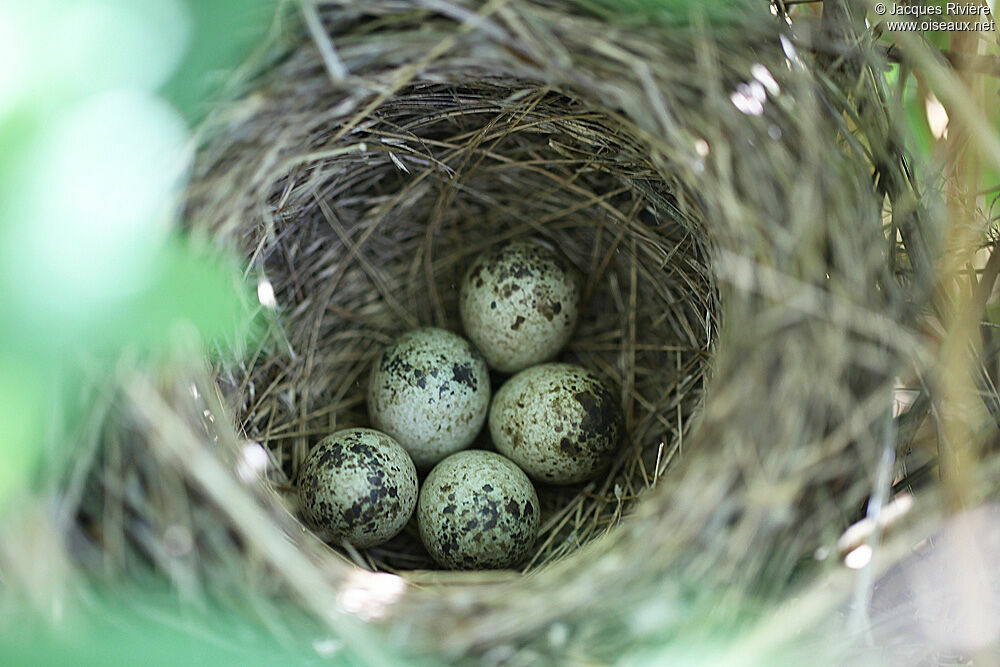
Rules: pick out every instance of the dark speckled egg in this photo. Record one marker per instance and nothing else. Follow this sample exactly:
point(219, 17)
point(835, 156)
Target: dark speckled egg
point(358, 485)
point(519, 304)
point(477, 510)
point(430, 390)
point(559, 422)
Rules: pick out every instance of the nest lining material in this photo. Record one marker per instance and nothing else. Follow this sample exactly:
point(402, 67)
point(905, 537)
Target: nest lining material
point(374, 241)
point(646, 154)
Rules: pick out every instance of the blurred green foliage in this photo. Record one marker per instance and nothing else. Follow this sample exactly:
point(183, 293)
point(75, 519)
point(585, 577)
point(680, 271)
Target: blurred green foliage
point(918, 101)
point(92, 260)
point(22, 406)
point(223, 33)
point(148, 626)
point(920, 139)
point(673, 12)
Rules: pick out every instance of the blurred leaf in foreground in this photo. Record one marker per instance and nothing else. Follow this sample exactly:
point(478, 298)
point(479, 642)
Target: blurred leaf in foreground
point(673, 12)
point(93, 162)
point(224, 32)
point(147, 626)
point(22, 411)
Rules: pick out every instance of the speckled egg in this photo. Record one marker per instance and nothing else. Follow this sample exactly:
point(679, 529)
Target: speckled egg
point(477, 510)
point(429, 390)
point(559, 422)
point(358, 485)
point(519, 303)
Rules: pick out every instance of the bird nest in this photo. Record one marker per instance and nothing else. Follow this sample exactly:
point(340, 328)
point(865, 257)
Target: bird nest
point(372, 242)
point(740, 297)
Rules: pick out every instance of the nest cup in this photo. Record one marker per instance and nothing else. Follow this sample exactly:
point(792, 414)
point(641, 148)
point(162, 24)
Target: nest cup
point(382, 149)
point(365, 232)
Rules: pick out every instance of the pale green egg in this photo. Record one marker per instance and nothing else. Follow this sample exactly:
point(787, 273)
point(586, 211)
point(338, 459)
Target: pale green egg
point(477, 510)
point(358, 485)
point(430, 390)
point(519, 303)
point(559, 422)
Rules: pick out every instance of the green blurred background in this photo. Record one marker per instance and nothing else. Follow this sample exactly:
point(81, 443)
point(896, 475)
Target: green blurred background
point(98, 99)
point(97, 102)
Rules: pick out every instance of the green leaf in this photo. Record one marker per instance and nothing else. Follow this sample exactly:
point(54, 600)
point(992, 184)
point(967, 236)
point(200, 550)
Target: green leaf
point(224, 34)
point(22, 416)
point(147, 626)
point(194, 288)
point(920, 138)
point(941, 39)
point(187, 286)
point(673, 12)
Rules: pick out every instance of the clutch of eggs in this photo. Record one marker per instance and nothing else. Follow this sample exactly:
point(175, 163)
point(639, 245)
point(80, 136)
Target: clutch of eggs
point(428, 396)
point(429, 390)
point(518, 302)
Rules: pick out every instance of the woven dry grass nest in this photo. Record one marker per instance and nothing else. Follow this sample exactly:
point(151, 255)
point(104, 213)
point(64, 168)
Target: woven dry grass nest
point(740, 297)
point(364, 223)
point(373, 242)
